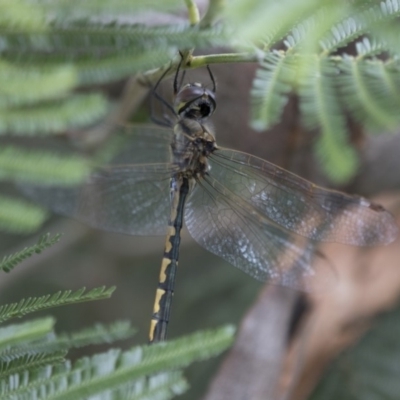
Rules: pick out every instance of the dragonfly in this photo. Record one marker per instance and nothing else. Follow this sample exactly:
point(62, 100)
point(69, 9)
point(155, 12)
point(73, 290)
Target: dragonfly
point(262, 219)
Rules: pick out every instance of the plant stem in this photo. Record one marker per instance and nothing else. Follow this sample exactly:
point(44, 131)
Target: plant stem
point(214, 10)
point(201, 61)
point(194, 15)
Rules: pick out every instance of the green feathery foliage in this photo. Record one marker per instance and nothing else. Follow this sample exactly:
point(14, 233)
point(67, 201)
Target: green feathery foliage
point(320, 109)
point(33, 165)
point(20, 14)
point(98, 334)
point(329, 81)
point(111, 370)
point(63, 9)
point(33, 304)
point(27, 362)
point(20, 216)
point(368, 89)
point(101, 50)
point(45, 241)
point(29, 165)
point(200, 345)
point(268, 18)
point(118, 66)
point(53, 117)
point(19, 164)
point(12, 335)
point(271, 86)
point(32, 356)
point(49, 82)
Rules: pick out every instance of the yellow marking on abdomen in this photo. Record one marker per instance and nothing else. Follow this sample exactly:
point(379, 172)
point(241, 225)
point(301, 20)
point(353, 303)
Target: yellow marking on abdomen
point(159, 294)
point(153, 324)
point(164, 265)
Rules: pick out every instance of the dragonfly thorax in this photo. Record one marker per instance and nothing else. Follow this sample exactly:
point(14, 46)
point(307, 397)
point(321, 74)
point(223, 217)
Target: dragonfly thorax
point(194, 101)
point(191, 147)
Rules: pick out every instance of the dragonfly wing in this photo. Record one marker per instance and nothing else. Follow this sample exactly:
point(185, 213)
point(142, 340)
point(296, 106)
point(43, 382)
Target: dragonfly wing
point(219, 222)
point(139, 144)
point(132, 200)
point(299, 206)
point(129, 195)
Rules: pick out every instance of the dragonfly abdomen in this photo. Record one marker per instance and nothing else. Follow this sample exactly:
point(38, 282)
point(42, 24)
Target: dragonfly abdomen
point(169, 264)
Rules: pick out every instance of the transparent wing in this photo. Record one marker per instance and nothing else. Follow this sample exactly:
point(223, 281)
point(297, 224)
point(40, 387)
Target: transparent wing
point(131, 195)
point(139, 144)
point(298, 206)
point(265, 220)
point(218, 221)
point(132, 200)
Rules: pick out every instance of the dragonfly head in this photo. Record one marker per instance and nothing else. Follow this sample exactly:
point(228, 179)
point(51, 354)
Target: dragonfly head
point(194, 101)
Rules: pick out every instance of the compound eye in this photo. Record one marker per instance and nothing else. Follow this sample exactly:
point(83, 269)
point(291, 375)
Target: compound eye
point(188, 94)
point(198, 110)
point(205, 109)
point(194, 102)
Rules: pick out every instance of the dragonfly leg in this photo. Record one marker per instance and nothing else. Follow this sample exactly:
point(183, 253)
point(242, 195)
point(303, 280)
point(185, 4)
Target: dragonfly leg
point(212, 79)
point(177, 87)
point(157, 96)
